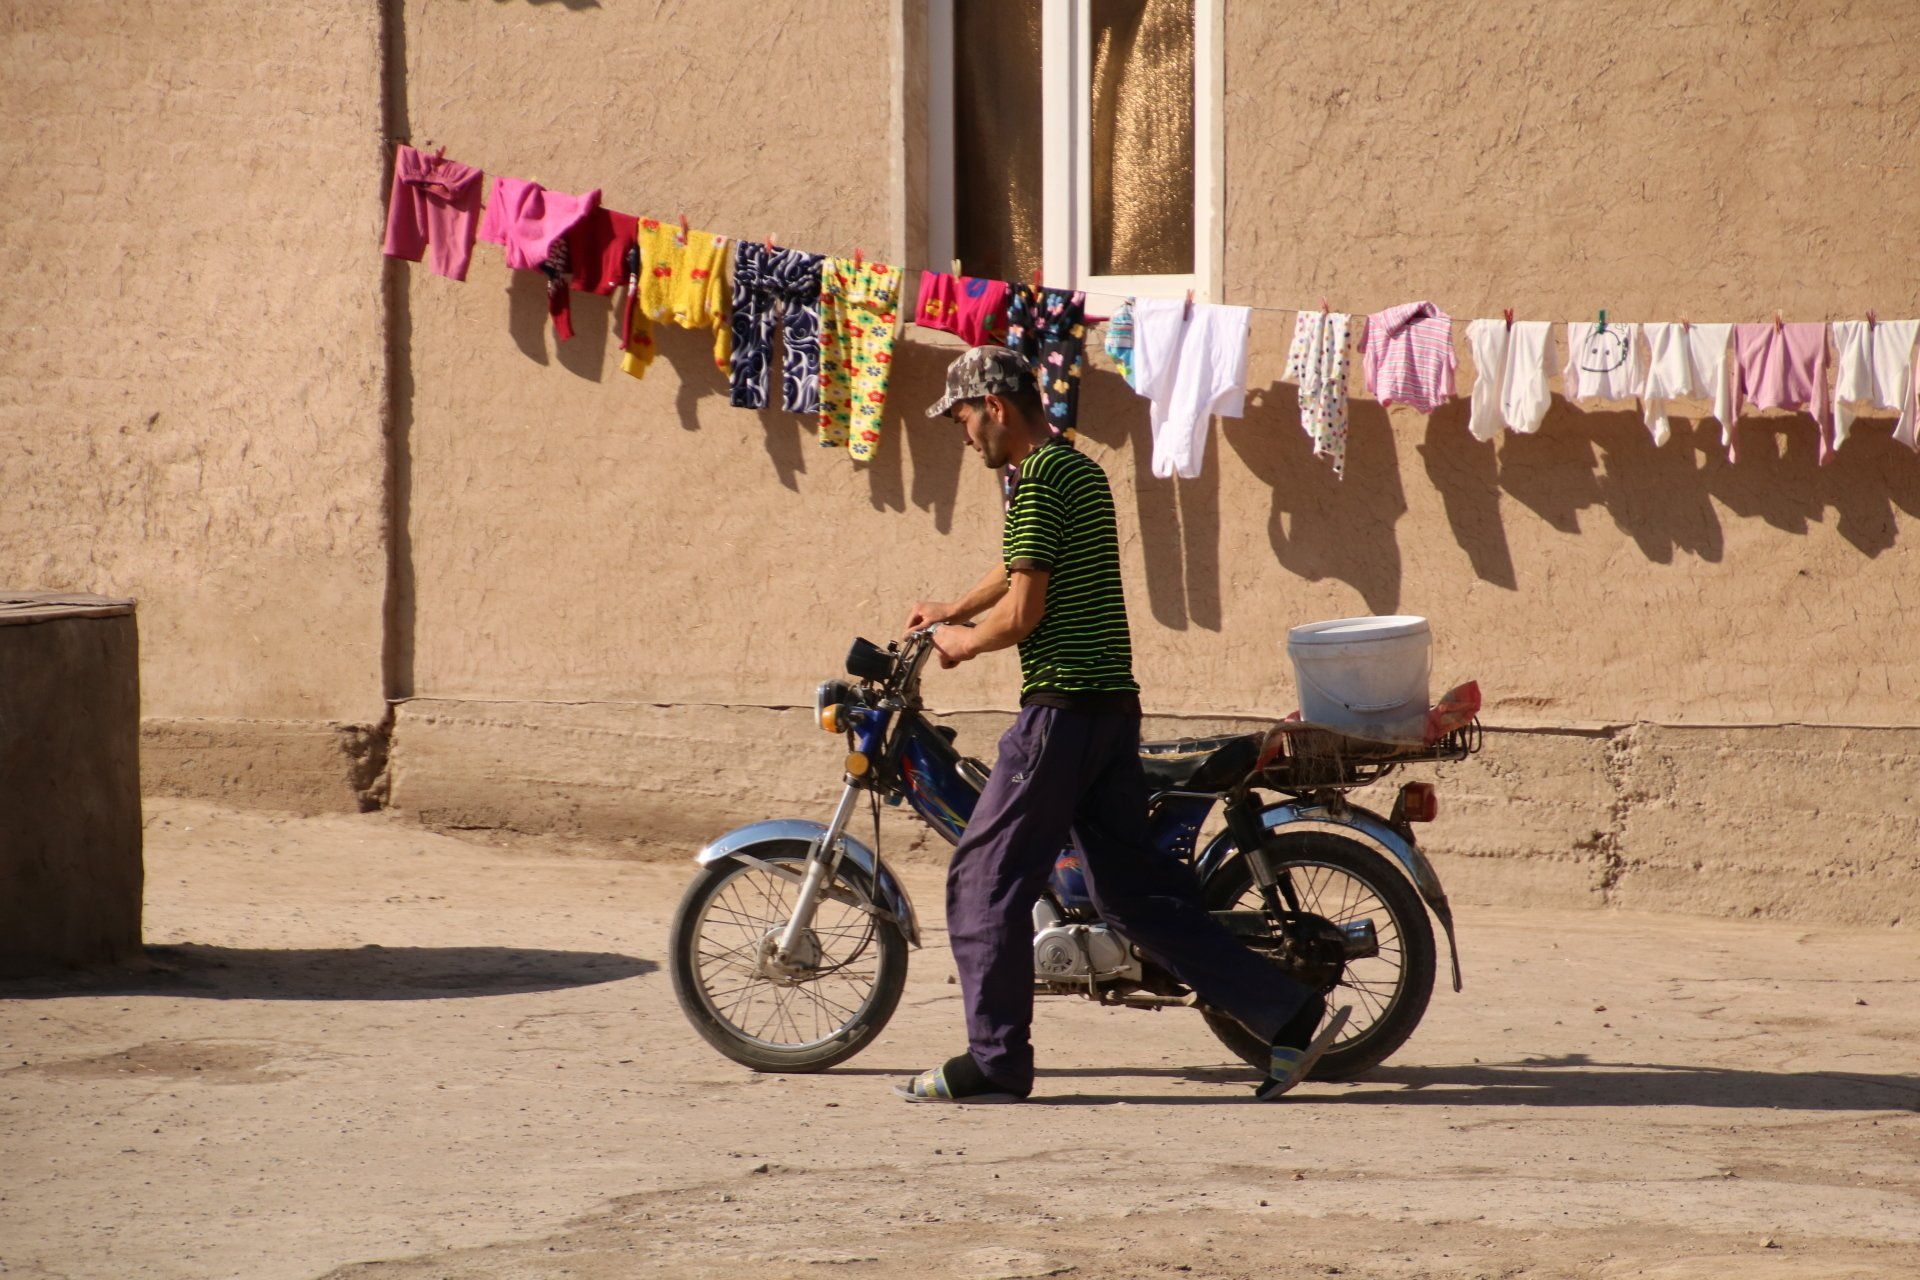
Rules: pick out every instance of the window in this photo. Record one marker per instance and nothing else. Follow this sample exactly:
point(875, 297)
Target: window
point(1077, 138)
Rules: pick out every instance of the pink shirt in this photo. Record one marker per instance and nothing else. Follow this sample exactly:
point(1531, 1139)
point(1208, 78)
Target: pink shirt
point(525, 219)
point(1782, 367)
point(1409, 356)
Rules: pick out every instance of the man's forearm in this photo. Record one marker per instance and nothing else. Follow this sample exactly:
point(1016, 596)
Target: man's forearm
point(1000, 627)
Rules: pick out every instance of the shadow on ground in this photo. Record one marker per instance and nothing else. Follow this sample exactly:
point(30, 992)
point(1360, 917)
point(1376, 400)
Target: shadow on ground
point(1571, 1081)
point(337, 973)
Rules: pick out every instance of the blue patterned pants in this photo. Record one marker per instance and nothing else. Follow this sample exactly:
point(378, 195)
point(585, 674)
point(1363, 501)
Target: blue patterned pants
point(782, 285)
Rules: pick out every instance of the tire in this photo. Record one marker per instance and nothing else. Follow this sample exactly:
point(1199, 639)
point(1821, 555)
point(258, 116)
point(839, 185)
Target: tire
point(1323, 865)
point(799, 1026)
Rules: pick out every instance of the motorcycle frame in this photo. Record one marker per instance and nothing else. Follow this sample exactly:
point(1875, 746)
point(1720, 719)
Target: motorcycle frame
point(909, 759)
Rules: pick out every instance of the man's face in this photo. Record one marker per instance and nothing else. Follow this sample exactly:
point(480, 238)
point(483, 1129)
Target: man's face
point(985, 422)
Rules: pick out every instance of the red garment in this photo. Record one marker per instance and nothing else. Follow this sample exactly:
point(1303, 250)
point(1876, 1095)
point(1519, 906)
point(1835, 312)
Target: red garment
point(973, 308)
point(598, 249)
point(592, 258)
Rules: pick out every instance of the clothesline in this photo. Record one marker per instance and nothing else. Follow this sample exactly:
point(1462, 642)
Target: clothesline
point(840, 316)
point(1511, 314)
point(1268, 307)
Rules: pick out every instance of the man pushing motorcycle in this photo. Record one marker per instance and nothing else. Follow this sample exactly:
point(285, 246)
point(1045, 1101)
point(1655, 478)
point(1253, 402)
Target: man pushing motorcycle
point(1069, 768)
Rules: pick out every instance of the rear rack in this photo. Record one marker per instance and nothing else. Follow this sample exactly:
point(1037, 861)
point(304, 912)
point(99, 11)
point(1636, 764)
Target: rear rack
point(1309, 757)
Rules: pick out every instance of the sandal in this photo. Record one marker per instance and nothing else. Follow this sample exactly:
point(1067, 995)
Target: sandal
point(1289, 1065)
point(955, 1080)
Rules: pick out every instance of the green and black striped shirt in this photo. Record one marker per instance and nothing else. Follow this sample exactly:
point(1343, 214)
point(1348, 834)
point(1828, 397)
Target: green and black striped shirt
point(1062, 521)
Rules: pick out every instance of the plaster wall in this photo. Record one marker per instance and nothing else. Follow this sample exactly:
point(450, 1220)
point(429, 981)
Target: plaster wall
point(622, 588)
point(604, 597)
point(1701, 159)
point(191, 362)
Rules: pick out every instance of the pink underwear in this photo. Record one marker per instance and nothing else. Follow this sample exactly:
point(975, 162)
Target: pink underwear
point(973, 308)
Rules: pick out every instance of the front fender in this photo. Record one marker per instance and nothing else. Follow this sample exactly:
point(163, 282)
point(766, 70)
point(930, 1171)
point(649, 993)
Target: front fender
point(1372, 829)
point(888, 892)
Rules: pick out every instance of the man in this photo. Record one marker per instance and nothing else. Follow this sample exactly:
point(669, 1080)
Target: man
point(1070, 766)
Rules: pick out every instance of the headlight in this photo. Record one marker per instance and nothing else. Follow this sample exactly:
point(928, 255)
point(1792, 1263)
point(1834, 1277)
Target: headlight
point(828, 709)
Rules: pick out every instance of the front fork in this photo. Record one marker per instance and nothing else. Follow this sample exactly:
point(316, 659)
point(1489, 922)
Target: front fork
point(822, 862)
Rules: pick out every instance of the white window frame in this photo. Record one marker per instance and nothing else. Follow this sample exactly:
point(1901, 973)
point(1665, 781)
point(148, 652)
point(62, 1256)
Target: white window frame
point(1066, 79)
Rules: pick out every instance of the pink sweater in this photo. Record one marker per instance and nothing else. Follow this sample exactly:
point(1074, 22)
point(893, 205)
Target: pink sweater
point(525, 219)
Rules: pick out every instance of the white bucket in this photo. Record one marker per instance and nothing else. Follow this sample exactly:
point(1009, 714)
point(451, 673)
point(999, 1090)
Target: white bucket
point(1364, 675)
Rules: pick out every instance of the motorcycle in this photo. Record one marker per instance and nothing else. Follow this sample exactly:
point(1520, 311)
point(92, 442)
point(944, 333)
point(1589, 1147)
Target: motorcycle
point(789, 948)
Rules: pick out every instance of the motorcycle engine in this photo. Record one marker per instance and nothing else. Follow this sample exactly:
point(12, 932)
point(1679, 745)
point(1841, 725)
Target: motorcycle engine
point(1073, 953)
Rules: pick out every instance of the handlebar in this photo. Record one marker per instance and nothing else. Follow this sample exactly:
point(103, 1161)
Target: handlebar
point(911, 655)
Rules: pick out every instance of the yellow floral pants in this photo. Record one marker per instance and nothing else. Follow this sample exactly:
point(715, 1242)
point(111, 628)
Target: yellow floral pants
point(858, 314)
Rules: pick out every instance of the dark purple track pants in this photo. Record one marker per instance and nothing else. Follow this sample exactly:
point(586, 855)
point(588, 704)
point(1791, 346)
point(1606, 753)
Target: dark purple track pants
point(1076, 774)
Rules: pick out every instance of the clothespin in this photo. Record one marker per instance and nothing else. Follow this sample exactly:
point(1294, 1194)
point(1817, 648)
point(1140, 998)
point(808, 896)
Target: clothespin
point(1603, 322)
point(956, 266)
point(1187, 313)
point(1036, 279)
point(1508, 313)
point(1324, 308)
point(1872, 318)
point(1686, 325)
point(684, 230)
point(769, 242)
point(858, 257)
point(1776, 322)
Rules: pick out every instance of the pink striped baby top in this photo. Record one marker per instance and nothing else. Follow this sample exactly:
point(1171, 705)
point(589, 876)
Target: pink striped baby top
point(1781, 367)
point(1408, 356)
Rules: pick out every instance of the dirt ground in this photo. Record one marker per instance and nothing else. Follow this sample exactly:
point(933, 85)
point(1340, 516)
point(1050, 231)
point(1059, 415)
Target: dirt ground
point(385, 1053)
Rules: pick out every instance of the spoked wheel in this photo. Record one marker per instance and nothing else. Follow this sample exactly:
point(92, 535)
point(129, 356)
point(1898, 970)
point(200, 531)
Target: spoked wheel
point(817, 1007)
point(1344, 881)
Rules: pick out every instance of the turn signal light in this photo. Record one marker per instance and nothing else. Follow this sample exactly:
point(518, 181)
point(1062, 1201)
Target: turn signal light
point(831, 720)
point(857, 764)
point(1419, 802)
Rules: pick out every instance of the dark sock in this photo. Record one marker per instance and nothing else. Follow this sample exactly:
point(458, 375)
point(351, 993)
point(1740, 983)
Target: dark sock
point(966, 1079)
point(1299, 1029)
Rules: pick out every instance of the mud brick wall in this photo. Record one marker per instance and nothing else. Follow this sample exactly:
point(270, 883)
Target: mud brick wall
point(605, 598)
point(192, 366)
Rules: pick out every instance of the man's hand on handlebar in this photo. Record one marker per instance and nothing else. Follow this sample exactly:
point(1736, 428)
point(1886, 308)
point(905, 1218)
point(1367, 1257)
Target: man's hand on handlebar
point(954, 644)
point(925, 614)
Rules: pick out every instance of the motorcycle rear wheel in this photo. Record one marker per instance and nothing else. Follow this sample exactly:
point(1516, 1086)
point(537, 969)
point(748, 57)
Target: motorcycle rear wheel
point(1342, 879)
point(774, 1021)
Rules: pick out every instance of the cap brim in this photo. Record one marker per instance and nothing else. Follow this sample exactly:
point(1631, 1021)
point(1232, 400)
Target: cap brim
point(943, 406)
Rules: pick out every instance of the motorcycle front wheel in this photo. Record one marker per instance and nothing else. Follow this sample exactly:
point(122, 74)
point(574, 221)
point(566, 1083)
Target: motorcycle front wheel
point(819, 1008)
point(1342, 880)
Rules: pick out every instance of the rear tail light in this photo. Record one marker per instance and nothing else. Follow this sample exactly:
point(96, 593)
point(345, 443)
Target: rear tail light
point(1419, 802)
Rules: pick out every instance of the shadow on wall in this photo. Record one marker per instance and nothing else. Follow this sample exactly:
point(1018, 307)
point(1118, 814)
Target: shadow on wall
point(588, 354)
point(1667, 499)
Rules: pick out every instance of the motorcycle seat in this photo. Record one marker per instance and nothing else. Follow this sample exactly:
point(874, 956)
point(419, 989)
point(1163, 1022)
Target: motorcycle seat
point(1200, 764)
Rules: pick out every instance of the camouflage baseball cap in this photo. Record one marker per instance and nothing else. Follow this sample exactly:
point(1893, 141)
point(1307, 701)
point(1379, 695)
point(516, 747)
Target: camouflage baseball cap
point(983, 371)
